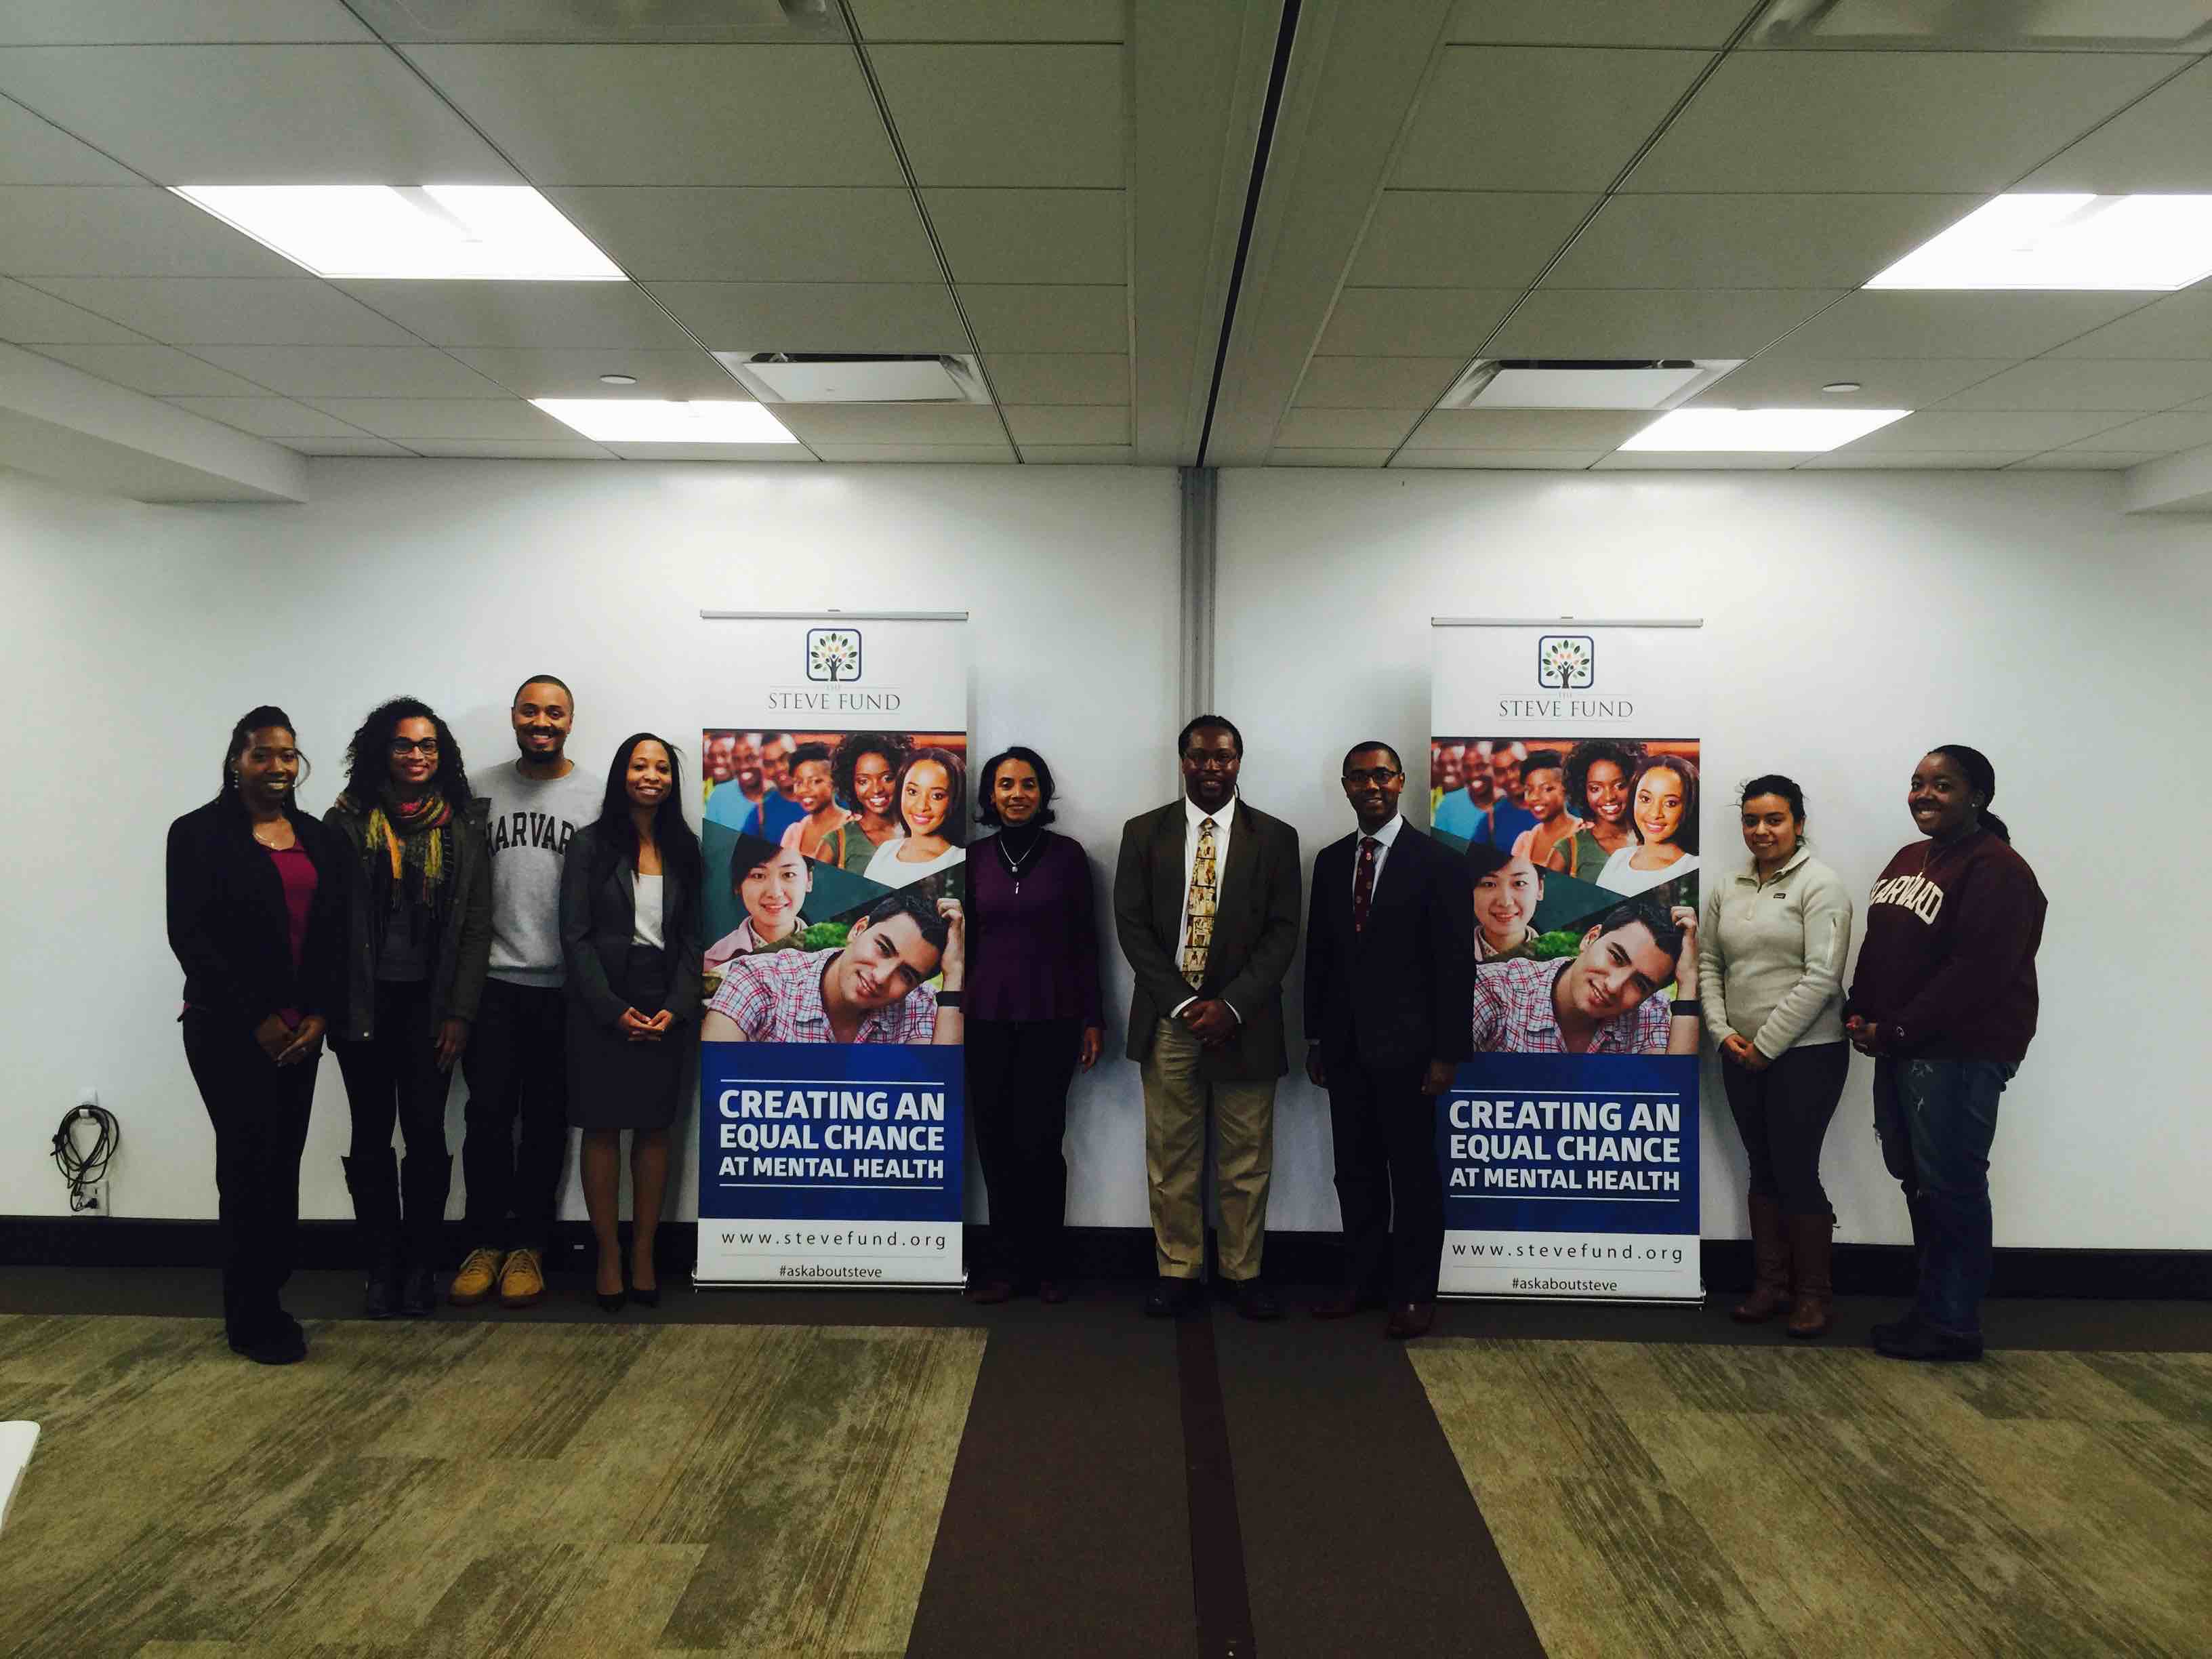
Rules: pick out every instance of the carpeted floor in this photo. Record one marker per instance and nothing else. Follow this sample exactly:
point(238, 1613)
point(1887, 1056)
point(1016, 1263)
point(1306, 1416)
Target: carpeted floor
point(460, 1488)
point(1669, 1499)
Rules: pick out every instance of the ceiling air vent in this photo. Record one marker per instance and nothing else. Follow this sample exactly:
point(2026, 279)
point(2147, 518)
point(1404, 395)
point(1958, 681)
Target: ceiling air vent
point(831, 377)
point(1642, 383)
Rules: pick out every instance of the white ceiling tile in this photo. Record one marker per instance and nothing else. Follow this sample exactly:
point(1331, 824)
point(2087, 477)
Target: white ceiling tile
point(891, 423)
point(157, 370)
point(712, 452)
point(2159, 434)
point(214, 115)
point(767, 234)
point(1071, 423)
point(2162, 144)
point(230, 310)
point(1654, 323)
point(613, 314)
point(2022, 431)
point(2091, 383)
point(1500, 460)
point(1644, 23)
point(1410, 322)
point(1530, 428)
point(1943, 460)
point(269, 417)
point(1887, 120)
point(1007, 114)
point(1031, 235)
point(31, 318)
point(33, 151)
point(512, 449)
point(1377, 382)
point(125, 22)
point(333, 448)
point(2086, 460)
point(1078, 454)
point(1751, 242)
point(2174, 26)
point(2172, 325)
point(353, 371)
point(671, 115)
point(817, 317)
point(445, 417)
point(538, 373)
point(989, 20)
point(652, 22)
point(1064, 377)
point(1018, 317)
point(101, 231)
point(1345, 429)
point(1525, 118)
point(1461, 239)
point(1896, 324)
point(1771, 381)
point(1653, 460)
point(998, 454)
point(1297, 456)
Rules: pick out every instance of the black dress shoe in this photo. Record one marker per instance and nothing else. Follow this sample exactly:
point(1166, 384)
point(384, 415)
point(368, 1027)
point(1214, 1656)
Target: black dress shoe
point(1344, 1304)
point(1255, 1301)
point(1898, 1330)
point(418, 1297)
point(1171, 1298)
point(381, 1292)
point(277, 1347)
point(1921, 1340)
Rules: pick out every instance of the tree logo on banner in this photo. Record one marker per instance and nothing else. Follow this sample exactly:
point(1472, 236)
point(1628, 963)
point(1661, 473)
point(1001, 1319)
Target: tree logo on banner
point(833, 653)
point(1565, 662)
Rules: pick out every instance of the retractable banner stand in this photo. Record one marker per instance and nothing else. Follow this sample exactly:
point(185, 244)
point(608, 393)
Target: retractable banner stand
point(1564, 767)
point(830, 1071)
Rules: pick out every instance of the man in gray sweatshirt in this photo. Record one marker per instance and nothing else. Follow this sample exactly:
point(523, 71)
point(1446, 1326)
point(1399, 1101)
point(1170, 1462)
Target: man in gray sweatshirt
point(513, 1156)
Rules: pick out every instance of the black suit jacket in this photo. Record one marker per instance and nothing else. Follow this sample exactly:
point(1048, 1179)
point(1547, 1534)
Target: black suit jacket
point(1400, 993)
point(1255, 934)
point(598, 921)
point(228, 925)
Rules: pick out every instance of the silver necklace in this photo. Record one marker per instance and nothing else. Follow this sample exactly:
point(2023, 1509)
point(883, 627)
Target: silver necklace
point(1015, 866)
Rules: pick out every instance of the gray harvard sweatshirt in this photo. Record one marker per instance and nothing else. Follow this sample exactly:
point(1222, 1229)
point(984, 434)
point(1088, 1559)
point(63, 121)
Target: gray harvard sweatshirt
point(531, 826)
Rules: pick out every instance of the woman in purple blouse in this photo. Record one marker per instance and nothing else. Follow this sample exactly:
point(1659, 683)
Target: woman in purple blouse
point(1032, 1007)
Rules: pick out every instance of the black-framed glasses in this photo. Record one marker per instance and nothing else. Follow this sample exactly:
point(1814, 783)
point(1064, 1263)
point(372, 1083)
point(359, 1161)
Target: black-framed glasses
point(1376, 775)
point(401, 748)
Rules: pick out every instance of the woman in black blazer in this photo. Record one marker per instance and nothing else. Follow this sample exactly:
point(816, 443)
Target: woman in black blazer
point(255, 917)
point(630, 943)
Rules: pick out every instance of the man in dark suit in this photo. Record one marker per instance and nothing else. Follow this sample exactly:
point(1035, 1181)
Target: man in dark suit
point(1205, 901)
point(1389, 978)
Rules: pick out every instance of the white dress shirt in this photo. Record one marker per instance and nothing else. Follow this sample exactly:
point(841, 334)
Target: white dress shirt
point(1224, 821)
point(1388, 835)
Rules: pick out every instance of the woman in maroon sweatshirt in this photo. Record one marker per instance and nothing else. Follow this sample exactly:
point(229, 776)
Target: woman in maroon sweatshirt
point(1944, 1001)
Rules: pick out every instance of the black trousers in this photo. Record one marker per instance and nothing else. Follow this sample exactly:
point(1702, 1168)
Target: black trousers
point(518, 1071)
point(1018, 1071)
point(259, 1111)
point(394, 1077)
point(1384, 1129)
point(1782, 1114)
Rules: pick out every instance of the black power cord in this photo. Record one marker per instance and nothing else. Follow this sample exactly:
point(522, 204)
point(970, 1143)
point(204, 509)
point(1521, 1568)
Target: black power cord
point(85, 1170)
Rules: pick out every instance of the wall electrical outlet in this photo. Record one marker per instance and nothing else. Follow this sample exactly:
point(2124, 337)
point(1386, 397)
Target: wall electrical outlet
point(97, 1201)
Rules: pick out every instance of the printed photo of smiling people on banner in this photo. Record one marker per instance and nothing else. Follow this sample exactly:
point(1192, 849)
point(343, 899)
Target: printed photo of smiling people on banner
point(1564, 769)
point(836, 832)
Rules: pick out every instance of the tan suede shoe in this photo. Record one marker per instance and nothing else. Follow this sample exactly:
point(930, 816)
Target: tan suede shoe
point(479, 1272)
point(521, 1280)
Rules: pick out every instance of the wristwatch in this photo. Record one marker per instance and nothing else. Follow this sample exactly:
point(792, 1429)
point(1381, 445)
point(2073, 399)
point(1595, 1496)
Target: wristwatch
point(948, 998)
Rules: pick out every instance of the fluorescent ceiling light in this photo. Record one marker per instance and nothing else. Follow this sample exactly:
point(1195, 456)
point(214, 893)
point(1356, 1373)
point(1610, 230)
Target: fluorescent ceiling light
point(1803, 431)
point(656, 421)
point(2062, 242)
point(506, 232)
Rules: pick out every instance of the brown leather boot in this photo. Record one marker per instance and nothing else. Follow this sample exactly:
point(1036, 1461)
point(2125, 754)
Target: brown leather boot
point(1769, 1254)
point(1810, 1238)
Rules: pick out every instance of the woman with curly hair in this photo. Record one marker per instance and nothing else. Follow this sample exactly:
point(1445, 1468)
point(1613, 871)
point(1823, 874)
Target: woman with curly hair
point(863, 773)
point(1598, 771)
point(418, 942)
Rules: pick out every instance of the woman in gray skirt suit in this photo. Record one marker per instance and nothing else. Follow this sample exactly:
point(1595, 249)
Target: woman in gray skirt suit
point(631, 890)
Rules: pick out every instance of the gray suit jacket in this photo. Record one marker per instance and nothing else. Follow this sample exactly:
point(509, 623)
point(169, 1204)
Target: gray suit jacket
point(1255, 934)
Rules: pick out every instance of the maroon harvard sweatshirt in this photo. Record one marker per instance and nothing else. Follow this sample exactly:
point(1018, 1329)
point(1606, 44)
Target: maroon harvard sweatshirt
point(1951, 934)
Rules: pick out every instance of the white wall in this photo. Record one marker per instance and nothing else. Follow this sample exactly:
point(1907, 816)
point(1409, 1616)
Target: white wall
point(134, 635)
point(1851, 622)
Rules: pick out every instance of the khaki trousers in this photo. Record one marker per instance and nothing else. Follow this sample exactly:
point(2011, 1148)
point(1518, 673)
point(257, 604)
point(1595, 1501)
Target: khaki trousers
point(1176, 1100)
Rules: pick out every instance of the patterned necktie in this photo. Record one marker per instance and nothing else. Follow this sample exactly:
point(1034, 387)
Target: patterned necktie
point(1363, 884)
point(1198, 907)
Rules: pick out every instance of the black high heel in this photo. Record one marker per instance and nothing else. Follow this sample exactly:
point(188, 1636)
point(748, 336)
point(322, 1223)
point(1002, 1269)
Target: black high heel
point(644, 1297)
point(610, 1301)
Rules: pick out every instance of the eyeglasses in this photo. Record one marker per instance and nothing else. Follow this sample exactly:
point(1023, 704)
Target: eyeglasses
point(401, 748)
point(1377, 775)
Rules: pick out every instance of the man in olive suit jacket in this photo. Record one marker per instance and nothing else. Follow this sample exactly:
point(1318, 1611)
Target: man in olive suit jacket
point(1206, 902)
